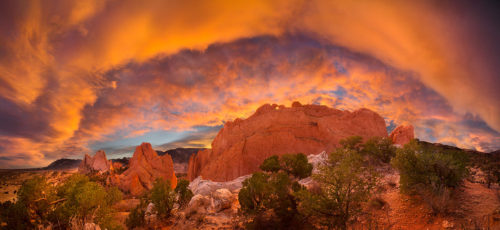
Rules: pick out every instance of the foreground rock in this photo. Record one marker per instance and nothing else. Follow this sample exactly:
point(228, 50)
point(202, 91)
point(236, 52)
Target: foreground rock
point(144, 168)
point(241, 146)
point(207, 187)
point(402, 135)
point(98, 163)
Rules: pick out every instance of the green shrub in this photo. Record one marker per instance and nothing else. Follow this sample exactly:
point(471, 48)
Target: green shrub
point(269, 196)
point(379, 148)
point(296, 165)
point(271, 164)
point(85, 201)
point(431, 172)
point(183, 192)
point(136, 217)
point(163, 197)
point(32, 207)
point(345, 184)
point(430, 167)
point(352, 142)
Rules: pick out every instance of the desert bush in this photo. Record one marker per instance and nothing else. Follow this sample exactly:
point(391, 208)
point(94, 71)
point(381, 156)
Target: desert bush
point(85, 201)
point(163, 197)
point(296, 165)
point(136, 217)
point(345, 184)
point(184, 194)
point(379, 148)
point(353, 142)
point(429, 167)
point(271, 164)
point(431, 172)
point(33, 205)
point(269, 196)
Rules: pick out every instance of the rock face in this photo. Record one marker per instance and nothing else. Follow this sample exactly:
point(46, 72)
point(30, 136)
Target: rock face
point(97, 163)
point(144, 168)
point(402, 135)
point(241, 146)
point(207, 187)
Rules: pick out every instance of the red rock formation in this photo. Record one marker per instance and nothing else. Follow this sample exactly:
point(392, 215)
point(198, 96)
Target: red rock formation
point(97, 163)
point(144, 168)
point(241, 146)
point(401, 135)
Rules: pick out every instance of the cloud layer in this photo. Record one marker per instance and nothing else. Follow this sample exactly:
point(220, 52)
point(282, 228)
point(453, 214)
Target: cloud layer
point(73, 74)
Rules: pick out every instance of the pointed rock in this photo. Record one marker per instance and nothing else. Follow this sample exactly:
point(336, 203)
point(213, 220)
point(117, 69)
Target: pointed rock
point(97, 163)
point(402, 135)
point(144, 168)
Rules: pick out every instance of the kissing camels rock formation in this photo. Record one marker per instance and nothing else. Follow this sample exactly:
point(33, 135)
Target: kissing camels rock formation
point(241, 145)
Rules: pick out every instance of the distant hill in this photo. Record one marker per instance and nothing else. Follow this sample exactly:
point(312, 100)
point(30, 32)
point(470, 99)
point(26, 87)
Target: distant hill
point(63, 164)
point(180, 155)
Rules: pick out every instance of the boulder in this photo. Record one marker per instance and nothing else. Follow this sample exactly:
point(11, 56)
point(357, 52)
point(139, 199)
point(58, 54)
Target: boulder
point(198, 204)
point(243, 144)
point(207, 187)
point(150, 214)
point(144, 168)
point(402, 135)
point(222, 199)
point(98, 163)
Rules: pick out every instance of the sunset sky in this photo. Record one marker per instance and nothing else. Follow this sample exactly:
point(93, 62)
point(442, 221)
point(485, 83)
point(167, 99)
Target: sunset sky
point(78, 76)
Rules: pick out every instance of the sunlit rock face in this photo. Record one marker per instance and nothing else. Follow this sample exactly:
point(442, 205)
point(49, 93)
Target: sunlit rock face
point(145, 167)
point(97, 163)
point(402, 135)
point(241, 146)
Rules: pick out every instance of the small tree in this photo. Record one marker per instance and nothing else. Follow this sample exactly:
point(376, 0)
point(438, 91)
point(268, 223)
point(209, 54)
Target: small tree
point(163, 197)
point(345, 183)
point(136, 217)
point(379, 148)
point(430, 172)
point(296, 165)
point(184, 194)
point(352, 142)
point(269, 196)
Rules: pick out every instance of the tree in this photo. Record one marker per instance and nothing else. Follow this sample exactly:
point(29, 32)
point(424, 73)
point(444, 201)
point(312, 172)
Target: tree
point(85, 201)
point(269, 196)
point(296, 165)
point(184, 194)
point(352, 142)
point(431, 172)
point(429, 166)
point(345, 183)
point(136, 217)
point(379, 149)
point(32, 206)
point(163, 197)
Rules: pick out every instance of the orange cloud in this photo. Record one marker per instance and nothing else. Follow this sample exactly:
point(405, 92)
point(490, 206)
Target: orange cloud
point(75, 72)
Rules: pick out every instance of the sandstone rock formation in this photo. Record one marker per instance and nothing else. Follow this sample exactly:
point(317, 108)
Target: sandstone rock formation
point(144, 168)
point(241, 146)
point(97, 163)
point(402, 135)
point(207, 187)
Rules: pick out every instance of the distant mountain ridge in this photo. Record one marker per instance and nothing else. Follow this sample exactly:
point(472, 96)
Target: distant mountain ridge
point(180, 155)
point(63, 164)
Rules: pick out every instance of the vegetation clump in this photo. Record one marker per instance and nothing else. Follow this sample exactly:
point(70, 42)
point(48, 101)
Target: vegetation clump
point(269, 196)
point(431, 172)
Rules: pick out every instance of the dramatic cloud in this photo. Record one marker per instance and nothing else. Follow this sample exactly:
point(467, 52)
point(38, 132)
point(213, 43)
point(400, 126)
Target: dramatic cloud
point(76, 76)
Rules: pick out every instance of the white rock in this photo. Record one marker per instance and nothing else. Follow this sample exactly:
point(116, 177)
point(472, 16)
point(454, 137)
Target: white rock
point(207, 187)
point(222, 199)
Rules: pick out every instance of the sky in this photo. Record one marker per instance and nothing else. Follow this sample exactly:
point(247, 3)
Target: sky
point(78, 76)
